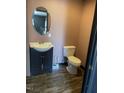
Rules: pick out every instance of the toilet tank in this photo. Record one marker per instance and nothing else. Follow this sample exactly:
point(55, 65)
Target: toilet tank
point(69, 50)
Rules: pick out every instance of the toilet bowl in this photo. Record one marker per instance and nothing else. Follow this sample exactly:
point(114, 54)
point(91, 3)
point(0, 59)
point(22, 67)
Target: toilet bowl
point(73, 62)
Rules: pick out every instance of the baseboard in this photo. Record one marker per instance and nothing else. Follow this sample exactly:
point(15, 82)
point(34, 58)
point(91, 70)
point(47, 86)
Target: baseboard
point(63, 63)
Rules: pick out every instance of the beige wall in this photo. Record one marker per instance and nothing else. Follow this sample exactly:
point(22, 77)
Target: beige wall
point(65, 23)
point(85, 30)
point(71, 22)
point(27, 56)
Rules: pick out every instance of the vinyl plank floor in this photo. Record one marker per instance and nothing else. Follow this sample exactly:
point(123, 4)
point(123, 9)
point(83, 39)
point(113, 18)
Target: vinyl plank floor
point(59, 81)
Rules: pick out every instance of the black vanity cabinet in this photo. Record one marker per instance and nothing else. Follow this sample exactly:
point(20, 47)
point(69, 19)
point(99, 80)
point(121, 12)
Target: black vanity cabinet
point(40, 62)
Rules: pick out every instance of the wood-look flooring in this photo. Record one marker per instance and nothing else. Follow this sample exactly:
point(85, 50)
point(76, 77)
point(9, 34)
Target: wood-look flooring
point(59, 81)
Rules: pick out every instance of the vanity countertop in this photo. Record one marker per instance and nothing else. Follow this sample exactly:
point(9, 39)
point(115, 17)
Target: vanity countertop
point(41, 47)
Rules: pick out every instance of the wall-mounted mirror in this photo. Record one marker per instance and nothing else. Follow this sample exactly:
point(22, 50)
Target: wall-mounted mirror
point(40, 18)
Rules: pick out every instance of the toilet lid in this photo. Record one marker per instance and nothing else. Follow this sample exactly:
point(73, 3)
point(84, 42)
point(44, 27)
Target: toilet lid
point(74, 60)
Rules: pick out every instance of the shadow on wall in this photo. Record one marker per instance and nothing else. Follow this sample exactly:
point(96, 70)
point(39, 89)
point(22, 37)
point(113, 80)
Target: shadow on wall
point(86, 21)
point(73, 16)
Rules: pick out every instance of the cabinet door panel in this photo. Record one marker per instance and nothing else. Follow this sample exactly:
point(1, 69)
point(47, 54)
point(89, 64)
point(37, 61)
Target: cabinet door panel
point(47, 64)
point(35, 64)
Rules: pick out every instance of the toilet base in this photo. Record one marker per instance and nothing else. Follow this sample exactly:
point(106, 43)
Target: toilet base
point(71, 69)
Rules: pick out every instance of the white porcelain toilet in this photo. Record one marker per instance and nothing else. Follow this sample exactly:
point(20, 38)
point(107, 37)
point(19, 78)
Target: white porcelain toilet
point(73, 62)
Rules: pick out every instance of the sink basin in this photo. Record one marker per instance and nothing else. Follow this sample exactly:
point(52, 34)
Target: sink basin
point(41, 47)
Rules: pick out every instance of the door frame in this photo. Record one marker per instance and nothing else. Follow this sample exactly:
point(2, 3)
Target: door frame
point(90, 75)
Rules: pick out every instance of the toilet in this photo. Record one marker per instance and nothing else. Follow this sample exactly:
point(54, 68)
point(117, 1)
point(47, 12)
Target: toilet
point(73, 62)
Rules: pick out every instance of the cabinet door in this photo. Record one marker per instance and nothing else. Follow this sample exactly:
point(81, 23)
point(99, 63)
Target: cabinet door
point(35, 63)
point(47, 63)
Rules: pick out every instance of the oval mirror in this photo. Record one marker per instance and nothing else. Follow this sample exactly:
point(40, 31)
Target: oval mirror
point(40, 18)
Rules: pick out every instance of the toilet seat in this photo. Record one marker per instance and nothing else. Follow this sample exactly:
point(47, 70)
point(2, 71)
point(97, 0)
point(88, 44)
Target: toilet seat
point(74, 61)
